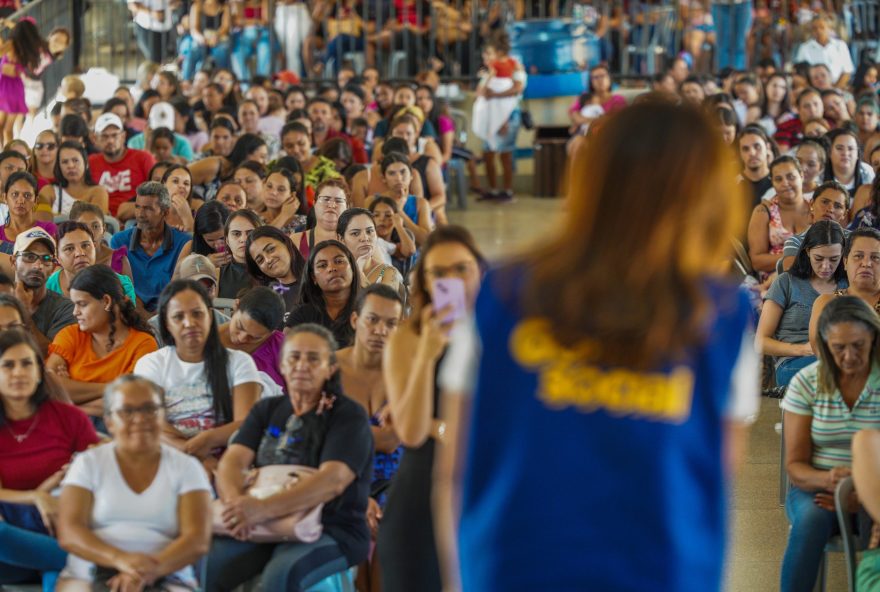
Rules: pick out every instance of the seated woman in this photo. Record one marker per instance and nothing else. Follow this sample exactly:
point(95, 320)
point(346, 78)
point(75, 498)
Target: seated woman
point(861, 259)
point(92, 216)
point(107, 340)
point(21, 197)
point(783, 329)
point(209, 389)
point(214, 169)
point(825, 404)
point(136, 513)
point(45, 157)
point(76, 252)
point(39, 438)
point(234, 276)
point(776, 219)
point(415, 211)
point(254, 329)
point(595, 102)
point(427, 165)
point(232, 195)
point(829, 202)
point(208, 235)
point(73, 184)
point(332, 197)
point(284, 207)
point(357, 230)
point(178, 180)
point(393, 233)
point(250, 175)
point(370, 182)
point(866, 206)
point(273, 261)
point(845, 161)
point(812, 157)
point(328, 292)
point(325, 430)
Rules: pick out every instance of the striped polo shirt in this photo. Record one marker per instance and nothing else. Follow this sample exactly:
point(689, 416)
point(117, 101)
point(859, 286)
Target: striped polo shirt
point(833, 422)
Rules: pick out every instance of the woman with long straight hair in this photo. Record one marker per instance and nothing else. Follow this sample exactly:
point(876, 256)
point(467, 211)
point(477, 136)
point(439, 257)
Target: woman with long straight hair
point(654, 369)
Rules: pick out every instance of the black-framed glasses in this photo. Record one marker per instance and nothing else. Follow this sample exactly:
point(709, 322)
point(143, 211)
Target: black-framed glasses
point(31, 258)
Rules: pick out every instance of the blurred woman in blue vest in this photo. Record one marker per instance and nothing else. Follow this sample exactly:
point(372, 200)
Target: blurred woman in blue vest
point(607, 379)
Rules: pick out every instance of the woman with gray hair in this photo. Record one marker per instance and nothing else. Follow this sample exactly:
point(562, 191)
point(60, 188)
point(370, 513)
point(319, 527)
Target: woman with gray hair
point(825, 405)
point(134, 513)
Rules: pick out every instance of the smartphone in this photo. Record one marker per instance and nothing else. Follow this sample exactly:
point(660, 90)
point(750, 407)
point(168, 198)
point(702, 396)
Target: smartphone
point(221, 246)
point(446, 292)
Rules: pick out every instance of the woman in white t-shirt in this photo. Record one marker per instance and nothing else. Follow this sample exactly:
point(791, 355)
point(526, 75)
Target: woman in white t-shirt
point(134, 513)
point(209, 389)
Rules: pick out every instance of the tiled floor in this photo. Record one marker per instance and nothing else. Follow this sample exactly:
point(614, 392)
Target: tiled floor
point(759, 524)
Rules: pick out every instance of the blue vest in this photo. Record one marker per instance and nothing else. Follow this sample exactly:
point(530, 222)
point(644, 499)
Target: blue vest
point(580, 477)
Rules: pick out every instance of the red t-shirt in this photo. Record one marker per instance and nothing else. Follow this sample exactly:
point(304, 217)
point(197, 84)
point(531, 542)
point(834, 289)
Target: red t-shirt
point(121, 178)
point(358, 152)
point(60, 431)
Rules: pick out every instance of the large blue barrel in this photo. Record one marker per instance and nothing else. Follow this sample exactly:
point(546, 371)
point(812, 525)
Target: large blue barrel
point(553, 46)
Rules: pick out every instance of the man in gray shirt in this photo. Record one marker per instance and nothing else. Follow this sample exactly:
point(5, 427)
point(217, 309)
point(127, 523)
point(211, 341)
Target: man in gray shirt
point(34, 259)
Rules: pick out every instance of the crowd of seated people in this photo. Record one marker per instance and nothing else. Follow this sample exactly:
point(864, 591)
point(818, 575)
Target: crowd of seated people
point(240, 272)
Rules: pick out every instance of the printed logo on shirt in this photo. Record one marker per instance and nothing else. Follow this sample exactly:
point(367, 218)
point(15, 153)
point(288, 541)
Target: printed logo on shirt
point(567, 379)
point(121, 181)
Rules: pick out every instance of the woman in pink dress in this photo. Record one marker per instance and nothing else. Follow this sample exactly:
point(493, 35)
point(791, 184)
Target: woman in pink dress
point(23, 50)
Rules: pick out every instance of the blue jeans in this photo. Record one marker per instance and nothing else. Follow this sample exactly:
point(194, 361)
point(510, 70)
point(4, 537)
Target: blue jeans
point(252, 40)
point(811, 529)
point(341, 45)
point(194, 55)
point(292, 567)
point(26, 555)
point(787, 369)
point(732, 24)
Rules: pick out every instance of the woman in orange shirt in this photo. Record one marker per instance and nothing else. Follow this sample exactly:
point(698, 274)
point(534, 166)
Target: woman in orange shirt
point(104, 343)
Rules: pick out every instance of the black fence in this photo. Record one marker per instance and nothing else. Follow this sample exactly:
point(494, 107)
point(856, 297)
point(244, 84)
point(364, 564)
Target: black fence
point(49, 15)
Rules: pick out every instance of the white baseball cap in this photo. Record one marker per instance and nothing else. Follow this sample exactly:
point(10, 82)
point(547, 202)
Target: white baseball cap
point(106, 120)
point(161, 115)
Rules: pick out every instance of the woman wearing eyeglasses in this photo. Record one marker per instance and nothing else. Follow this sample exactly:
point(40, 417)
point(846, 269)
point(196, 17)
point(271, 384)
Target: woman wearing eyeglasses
point(332, 197)
point(38, 436)
point(45, 152)
point(21, 197)
point(73, 183)
point(106, 341)
point(135, 513)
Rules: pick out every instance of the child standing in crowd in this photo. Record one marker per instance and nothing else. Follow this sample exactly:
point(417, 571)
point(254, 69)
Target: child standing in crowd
point(22, 51)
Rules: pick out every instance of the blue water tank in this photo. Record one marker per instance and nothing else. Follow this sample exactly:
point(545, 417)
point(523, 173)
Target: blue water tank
point(553, 46)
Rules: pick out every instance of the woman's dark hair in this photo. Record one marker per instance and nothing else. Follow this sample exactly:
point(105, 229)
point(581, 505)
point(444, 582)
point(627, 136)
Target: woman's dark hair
point(381, 199)
point(295, 90)
point(211, 217)
point(311, 293)
point(441, 236)
point(346, 217)
point(178, 167)
point(215, 356)
point(171, 79)
point(113, 102)
point(757, 130)
point(437, 109)
point(587, 95)
point(9, 301)
point(100, 280)
point(843, 309)
point(59, 176)
point(820, 234)
point(298, 184)
point(393, 158)
point(863, 232)
point(293, 116)
point(160, 165)
point(397, 145)
point(9, 339)
point(27, 44)
point(184, 111)
point(223, 122)
point(859, 85)
point(161, 132)
point(728, 117)
point(146, 96)
point(337, 149)
point(264, 306)
point(74, 125)
point(21, 176)
point(297, 261)
point(254, 167)
point(785, 159)
point(68, 226)
point(831, 136)
point(785, 104)
point(244, 147)
point(248, 215)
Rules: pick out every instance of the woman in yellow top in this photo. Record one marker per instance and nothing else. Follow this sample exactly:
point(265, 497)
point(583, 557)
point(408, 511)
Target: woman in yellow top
point(104, 343)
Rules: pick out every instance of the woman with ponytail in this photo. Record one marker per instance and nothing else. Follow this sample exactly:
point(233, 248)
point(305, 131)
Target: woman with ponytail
point(106, 341)
point(209, 389)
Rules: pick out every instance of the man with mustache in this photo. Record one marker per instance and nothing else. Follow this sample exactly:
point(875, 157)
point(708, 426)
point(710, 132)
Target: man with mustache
point(34, 259)
point(153, 246)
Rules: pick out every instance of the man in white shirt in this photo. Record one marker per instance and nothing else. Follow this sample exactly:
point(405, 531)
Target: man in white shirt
point(822, 49)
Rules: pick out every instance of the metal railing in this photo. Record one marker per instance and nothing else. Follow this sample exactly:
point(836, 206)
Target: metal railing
point(49, 15)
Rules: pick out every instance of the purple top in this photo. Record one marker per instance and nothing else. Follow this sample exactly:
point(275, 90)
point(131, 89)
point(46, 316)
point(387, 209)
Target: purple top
point(446, 124)
point(267, 356)
point(117, 257)
point(47, 226)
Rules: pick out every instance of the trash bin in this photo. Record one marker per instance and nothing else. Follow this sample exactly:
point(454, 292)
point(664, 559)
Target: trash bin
point(550, 160)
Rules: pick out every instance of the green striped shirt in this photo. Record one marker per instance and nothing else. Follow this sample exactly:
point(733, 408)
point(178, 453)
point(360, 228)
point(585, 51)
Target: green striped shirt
point(833, 422)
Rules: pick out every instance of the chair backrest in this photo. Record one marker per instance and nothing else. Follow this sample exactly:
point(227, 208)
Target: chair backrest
point(461, 125)
point(842, 493)
point(224, 305)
